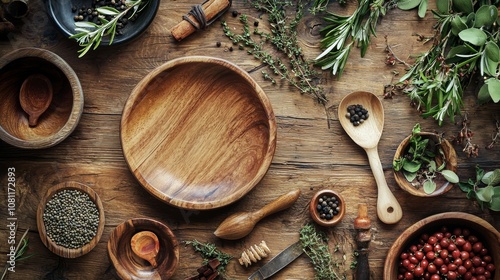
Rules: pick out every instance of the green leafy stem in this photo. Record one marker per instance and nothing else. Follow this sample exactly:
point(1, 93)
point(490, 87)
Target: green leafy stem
point(485, 188)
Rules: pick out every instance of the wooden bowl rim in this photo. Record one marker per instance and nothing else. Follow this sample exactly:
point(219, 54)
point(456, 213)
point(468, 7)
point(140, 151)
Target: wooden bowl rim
point(405, 185)
point(263, 100)
point(412, 232)
point(77, 92)
point(314, 214)
point(117, 234)
point(51, 245)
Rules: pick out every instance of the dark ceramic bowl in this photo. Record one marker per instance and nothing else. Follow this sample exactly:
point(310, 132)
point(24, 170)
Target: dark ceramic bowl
point(63, 16)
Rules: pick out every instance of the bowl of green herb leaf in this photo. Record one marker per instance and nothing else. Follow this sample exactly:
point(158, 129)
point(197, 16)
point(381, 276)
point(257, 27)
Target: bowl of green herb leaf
point(93, 23)
point(425, 164)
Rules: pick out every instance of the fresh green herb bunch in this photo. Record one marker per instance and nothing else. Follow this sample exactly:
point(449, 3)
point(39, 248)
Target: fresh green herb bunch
point(209, 251)
point(465, 45)
point(290, 64)
point(419, 165)
point(315, 245)
point(485, 188)
point(89, 34)
point(342, 32)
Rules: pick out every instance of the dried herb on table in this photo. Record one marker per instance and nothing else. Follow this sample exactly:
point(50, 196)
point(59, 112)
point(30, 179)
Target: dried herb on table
point(465, 47)
point(343, 32)
point(290, 65)
point(20, 251)
point(90, 34)
point(315, 245)
point(208, 252)
point(485, 188)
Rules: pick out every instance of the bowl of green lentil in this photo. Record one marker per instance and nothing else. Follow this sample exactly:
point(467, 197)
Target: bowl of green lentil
point(70, 219)
point(327, 207)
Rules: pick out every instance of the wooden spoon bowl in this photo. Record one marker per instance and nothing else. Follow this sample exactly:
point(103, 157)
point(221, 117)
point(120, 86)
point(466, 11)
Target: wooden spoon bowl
point(51, 245)
point(198, 133)
point(489, 236)
point(62, 115)
point(130, 266)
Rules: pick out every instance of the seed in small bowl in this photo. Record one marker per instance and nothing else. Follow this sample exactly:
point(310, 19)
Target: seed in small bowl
point(357, 114)
point(327, 207)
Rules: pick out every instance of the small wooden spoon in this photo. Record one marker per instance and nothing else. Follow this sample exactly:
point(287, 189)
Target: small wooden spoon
point(145, 245)
point(241, 224)
point(367, 136)
point(35, 96)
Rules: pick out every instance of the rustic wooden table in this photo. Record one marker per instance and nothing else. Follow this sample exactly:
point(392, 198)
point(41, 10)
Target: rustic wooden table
point(313, 152)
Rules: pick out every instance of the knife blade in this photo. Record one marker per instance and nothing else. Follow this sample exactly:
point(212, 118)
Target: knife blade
point(278, 262)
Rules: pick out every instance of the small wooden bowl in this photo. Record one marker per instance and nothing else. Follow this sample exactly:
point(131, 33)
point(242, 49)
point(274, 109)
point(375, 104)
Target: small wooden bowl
point(51, 245)
point(64, 112)
point(443, 186)
point(130, 266)
point(485, 232)
point(314, 212)
point(198, 133)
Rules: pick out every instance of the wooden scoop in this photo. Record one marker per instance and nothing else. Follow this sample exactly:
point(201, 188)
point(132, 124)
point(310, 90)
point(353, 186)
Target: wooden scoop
point(367, 136)
point(241, 224)
point(145, 245)
point(35, 96)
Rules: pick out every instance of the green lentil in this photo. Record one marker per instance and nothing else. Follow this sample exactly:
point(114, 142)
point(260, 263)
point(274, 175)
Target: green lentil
point(71, 218)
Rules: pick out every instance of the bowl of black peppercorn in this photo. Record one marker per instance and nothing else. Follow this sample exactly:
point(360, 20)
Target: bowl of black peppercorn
point(327, 207)
point(130, 26)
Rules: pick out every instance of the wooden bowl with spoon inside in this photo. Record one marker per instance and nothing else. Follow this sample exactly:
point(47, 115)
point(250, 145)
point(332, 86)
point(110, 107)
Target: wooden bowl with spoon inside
point(41, 99)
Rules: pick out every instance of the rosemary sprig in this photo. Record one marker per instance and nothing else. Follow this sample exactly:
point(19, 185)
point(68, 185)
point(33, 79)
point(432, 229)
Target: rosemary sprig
point(89, 35)
point(21, 249)
point(209, 251)
point(342, 32)
point(315, 246)
point(290, 65)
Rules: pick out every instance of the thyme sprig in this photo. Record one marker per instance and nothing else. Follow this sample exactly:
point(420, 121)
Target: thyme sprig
point(209, 251)
point(290, 65)
point(89, 34)
point(315, 246)
point(344, 32)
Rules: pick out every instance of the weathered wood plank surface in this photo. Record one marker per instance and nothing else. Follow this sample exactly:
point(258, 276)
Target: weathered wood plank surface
point(313, 152)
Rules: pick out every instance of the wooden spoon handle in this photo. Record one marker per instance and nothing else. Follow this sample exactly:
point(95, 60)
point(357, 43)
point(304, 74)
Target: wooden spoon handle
point(280, 203)
point(388, 209)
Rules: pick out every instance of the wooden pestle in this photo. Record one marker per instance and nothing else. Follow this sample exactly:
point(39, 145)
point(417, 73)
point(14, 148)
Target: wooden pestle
point(211, 9)
point(241, 224)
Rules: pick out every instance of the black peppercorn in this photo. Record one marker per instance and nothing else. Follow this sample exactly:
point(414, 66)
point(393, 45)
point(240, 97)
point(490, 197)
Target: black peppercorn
point(235, 13)
point(218, 44)
point(357, 114)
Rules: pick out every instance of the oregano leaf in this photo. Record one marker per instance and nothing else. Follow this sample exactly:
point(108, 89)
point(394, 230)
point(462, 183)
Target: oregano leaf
point(485, 194)
point(429, 187)
point(450, 176)
point(474, 36)
point(486, 15)
point(408, 4)
point(494, 89)
point(491, 178)
point(411, 166)
point(410, 176)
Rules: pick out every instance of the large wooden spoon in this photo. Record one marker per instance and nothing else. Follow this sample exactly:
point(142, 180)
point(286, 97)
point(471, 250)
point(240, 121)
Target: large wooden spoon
point(35, 96)
point(241, 224)
point(367, 136)
point(145, 244)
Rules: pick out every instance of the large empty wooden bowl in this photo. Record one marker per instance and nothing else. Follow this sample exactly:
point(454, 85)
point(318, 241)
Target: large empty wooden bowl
point(49, 243)
point(64, 111)
point(198, 133)
point(485, 232)
point(128, 265)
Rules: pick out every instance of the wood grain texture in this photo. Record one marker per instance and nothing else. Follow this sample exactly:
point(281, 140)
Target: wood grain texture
point(198, 133)
point(313, 152)
point(483, 230)
point(52, 245)
point(129, 265)
point(442, 184)
point(61, 112)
